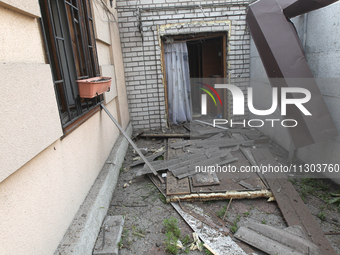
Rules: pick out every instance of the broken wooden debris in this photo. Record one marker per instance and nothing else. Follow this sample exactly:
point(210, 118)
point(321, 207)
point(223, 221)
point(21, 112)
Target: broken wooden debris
point(210, 249)
point(180, 162)
point(237, 136)
point(163, 136)
point(223, 143)
point(247, 153)
point(150, 158)
point(252, 134)
point(221, 229)
point(275, 241)
point(246, 185)
point(215, 137)
point(210, 131)
point(226, 211)
point(290, 203)
point(164, 164)
point(221, 244)
point(180, 144)
point(236, 148)
point(209, 152)
point(191, 169)
point(332, 233)
point(209, 124)
point(131, 142)
point(249, 156)
point(205, 179)
point(216, 217)
point(197, 157)
point(221, 196)
point(134, 136)
point(175, 186)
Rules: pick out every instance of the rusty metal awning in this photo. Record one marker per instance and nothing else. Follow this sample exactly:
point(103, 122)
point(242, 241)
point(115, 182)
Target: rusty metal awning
point(284, 60)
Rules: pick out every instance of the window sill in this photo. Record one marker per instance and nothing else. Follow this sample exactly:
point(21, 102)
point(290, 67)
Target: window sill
point(73, 126)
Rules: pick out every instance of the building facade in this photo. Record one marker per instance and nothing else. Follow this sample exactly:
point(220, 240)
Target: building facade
point(147, 25)
point(54, 144)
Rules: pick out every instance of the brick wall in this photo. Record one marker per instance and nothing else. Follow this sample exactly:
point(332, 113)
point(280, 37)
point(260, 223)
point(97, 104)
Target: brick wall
point(143, 22)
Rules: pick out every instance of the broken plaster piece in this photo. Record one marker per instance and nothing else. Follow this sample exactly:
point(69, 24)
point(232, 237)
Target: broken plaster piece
point(221, 244)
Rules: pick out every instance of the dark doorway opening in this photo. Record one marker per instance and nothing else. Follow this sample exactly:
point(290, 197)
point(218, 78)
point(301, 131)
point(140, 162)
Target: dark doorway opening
point(207, 59)
point(207, 54)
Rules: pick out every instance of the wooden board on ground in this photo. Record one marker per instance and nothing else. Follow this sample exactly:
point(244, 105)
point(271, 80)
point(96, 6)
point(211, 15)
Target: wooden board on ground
point(175, 186)
point(150, 158)
point(275, 241)
point(205, 179)
point(172, 153)
point(230, 182)
point(290, 203)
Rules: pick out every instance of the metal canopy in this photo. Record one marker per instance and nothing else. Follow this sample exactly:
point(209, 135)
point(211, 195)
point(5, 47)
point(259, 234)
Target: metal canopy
point(284, 60)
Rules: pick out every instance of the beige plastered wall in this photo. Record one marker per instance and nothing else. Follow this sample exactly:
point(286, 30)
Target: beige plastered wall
point(43, 178)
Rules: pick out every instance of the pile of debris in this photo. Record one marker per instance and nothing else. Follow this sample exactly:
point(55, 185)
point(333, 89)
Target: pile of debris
point(207, 167)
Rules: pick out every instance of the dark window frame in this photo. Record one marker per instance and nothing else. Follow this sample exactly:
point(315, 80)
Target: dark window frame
point(67, 28)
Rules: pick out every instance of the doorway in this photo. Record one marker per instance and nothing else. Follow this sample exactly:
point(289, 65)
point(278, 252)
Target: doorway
point(207, 65)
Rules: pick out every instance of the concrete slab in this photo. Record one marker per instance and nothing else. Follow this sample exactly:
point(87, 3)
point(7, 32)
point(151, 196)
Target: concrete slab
point(276, 241)
point(111, 230)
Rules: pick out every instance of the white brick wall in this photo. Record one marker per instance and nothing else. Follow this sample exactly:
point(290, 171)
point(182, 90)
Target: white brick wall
point(142, 53)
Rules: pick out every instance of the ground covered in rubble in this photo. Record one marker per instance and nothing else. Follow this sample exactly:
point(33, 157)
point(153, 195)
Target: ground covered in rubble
point(146, 211)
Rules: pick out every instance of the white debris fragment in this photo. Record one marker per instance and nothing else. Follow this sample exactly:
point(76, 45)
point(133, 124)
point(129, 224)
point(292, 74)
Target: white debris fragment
point(221, 244)
point(179, 244)
point(159, 150)
point(197, 241)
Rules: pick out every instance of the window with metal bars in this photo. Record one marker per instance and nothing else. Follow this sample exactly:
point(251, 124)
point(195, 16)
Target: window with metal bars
point(69, 35)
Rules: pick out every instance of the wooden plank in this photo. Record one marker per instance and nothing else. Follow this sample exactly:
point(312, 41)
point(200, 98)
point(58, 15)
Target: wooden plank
point(249, 156)
point(209, 152)
point(210, 131)
point(216, 137)
point(237, 136)
point(246, 185)
point(182, 166)
point(150, 158)
point(172, 153)
point(164, 164)
point(175, 186)
point(190, 170)
point(290, 203)
point(205, 179)
point(275, 241)
point(226, 142)
point(194, 159)
point(181, 144)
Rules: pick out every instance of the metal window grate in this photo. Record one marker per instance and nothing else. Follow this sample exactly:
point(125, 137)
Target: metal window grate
point(69, 36)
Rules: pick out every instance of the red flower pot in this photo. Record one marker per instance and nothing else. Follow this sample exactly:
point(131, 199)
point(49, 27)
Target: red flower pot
point(92, 87)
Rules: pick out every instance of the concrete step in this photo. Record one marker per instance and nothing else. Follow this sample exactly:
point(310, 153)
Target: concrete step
point(109, 236)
